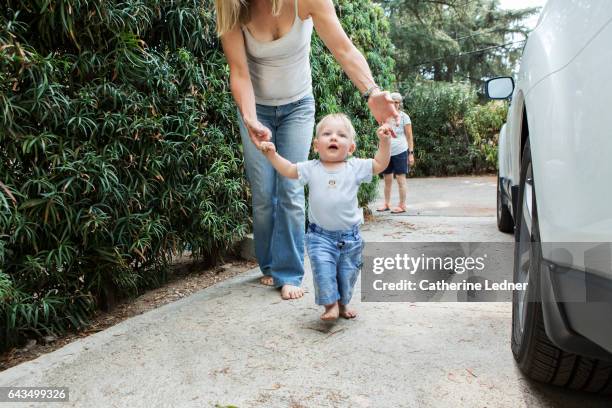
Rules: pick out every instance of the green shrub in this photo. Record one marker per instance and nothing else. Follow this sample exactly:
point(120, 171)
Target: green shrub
point(119, 147)
point(453, 134)
point(483, 123)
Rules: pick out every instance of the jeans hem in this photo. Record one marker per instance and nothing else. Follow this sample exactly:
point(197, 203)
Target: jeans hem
point(323, 303)
point(280, 284)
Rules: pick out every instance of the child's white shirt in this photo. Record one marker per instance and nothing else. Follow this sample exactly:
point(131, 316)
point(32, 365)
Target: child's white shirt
point(332, 195)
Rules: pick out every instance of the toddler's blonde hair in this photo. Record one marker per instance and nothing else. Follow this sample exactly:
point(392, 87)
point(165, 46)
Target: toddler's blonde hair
point(337, 116)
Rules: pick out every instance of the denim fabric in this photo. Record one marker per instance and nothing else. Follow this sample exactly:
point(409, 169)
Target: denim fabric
point(335, 257)
point(278, 202)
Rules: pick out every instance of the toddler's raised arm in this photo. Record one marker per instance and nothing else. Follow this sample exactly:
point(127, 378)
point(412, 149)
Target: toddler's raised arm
point(383, 154)
point(282, 165)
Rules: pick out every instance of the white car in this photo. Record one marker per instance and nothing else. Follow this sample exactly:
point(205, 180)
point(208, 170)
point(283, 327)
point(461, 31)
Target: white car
point(555, 193)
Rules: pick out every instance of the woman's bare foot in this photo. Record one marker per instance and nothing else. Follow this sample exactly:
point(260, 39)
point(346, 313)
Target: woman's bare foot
point(266, 280)
point(347, 312)
point(291, 292)
point(331, 312)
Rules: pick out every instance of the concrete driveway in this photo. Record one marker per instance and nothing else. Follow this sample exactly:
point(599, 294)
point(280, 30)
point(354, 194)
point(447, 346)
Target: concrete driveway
point(237, 343)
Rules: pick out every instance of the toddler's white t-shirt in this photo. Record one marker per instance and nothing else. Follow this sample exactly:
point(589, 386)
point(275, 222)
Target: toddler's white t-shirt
point(332, 195)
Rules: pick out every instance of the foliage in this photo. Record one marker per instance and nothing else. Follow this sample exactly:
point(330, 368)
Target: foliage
point(118, 149)
point(367, 27)
point(483, 123)
point(453, 134)
point(444, 39)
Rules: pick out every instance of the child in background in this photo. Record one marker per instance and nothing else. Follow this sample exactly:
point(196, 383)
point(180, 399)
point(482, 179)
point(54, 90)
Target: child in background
point(333, 240)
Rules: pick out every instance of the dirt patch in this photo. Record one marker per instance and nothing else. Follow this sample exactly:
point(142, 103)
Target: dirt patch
point(187, 277)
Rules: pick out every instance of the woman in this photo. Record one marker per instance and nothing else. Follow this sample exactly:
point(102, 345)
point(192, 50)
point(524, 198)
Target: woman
point(402, 157)
point(267, 46)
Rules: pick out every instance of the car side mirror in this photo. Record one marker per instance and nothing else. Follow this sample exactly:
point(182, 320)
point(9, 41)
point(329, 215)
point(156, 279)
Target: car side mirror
point(499, 88)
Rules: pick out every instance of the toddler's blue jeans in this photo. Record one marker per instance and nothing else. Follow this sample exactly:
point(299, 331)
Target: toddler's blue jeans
point(335, 258)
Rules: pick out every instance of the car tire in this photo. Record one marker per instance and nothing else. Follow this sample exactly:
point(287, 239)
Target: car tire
point(505, 223)
point(536, 356)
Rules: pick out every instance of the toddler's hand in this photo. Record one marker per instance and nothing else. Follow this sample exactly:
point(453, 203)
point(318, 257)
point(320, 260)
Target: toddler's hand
point(267, 147)
point(257, 132)
point(385, 132)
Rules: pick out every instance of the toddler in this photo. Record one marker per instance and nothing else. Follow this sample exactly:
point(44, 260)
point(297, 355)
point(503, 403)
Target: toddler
point(333, 241)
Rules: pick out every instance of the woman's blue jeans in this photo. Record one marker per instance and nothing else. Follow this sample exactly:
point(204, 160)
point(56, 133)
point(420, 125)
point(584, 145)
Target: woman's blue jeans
point(336, 260)
point(278, 202)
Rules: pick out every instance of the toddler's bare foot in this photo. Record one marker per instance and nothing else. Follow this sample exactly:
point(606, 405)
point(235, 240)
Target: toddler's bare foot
point(291, 292)
point(266, 280)
point(347, 312)
point(331, 312)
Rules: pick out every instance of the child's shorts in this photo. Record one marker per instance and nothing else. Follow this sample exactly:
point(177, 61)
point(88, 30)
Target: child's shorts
point(335, 258)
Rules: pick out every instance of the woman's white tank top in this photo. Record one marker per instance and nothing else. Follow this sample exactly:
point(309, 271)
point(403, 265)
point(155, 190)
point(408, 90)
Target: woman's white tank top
point(280, 69)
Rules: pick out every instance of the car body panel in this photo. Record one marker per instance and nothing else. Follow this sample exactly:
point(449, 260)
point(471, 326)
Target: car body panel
point(554, 43)
point(565, 27)
point(570, 128)
point(512, 145)
point(563, 96)
point(503, 167)
point(564, 89)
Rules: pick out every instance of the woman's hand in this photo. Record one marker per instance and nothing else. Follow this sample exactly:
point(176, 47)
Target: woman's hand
point(383, 108)
point(257, 132)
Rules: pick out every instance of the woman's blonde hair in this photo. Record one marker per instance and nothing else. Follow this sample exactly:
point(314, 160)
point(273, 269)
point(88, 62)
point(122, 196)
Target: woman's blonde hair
point(233, 12)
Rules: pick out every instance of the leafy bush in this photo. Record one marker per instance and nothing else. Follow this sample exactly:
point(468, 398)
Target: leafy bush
point(483, 123)
point(119, 147)
point(453, 134)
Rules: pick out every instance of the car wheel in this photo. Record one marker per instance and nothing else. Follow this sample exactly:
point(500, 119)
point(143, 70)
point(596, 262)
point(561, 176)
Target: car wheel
point(537, 357)
point(505, 223)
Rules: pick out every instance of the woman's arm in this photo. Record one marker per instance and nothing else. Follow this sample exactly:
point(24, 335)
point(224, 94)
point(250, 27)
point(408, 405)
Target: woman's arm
point(241, 86)
point(383, 154)
point(350, 59)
